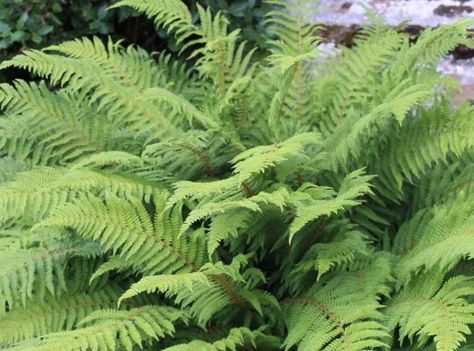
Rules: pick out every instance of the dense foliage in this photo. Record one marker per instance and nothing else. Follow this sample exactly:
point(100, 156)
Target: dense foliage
point(34, 23)
point(297, 202)
point(29, 23)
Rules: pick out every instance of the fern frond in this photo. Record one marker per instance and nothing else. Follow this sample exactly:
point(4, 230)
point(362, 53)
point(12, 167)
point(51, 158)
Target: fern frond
point(110, 330)
point(352, 75)
point(295, 35)
point(172, 15)
point(437, 237)
point(200, 190)
point(35, 193)
point(179, 105)
point(227, 225)
point(58, 127)
point(429, 139)
point(444, 183)
point(107, 85)
point(345, 247)
point(53, 314)
point(324, 318)
point(237, 337)
point(348, 138)
point(167, 284)
point(258, 159)
point(187, 156)
point(431, 46)
point(254, 203)
point(124, 226)
point(309, 209)
point(430, 308)
point(38, 268)
point(212, 290)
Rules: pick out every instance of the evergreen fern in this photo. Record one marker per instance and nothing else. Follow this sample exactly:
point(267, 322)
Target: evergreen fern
point(293, 202)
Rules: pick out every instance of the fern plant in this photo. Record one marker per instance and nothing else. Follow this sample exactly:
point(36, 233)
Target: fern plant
point(294, 202)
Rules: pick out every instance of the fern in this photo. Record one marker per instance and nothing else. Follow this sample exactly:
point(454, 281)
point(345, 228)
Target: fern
point(295, 200)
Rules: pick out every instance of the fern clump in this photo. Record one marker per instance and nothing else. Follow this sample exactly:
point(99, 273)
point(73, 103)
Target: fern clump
point(295, 201)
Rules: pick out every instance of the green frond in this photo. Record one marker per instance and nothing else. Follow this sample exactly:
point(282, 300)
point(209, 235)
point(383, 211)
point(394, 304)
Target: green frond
point(237, 337)
point(210, 291)
point(443, 184)
point(228, 225)
point(325, 318)
point(38, 268)
point(132, 66)
point(343, 249)
point(431, 46)
point(107, 158)
point(348, 139)
point(184, 157)
point(316, 204)
point(254, 203)
point(351, 76)
point(47, 127)
point(172, 15)
point(180, 106)
point(116, 263)
point(33, 194)
point(53, 314)
point(169, 284)
point(150, 242)
point(430, 308)
point(178, 76)
point(110, 330)
point(426, 140)
point(199, 190)
point(230, 291)
point(258, 159)
point(110, 87)
point(294, 51)
point(438, 237)
point(295, 36)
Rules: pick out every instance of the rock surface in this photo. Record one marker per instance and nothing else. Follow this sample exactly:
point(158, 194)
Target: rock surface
point(418, 12)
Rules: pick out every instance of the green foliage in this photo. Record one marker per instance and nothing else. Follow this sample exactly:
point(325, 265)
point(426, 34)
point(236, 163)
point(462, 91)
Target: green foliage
point(296, 202)
point(29, 23)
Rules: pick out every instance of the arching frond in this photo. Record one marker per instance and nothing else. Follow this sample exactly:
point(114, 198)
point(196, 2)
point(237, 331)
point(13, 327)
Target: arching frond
point(315, 203)
point(438, 237)
point(125, 227)
point(256, 160)
point(428, 308)
point(237, 337)
point(38, 267)
point(35, 193)
point(53, 314)
point(212, 290)
point(111, 330)
point(324, 318)
point(172, 15)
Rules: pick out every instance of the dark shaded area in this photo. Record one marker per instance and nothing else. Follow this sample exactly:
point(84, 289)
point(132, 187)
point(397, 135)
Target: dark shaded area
point(452, 11)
